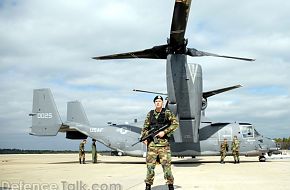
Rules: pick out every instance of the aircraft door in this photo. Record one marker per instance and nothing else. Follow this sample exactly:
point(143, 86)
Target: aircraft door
point(225, 132)
point(248, 143)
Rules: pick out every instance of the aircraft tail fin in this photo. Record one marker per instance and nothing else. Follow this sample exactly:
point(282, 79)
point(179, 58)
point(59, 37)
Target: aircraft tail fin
point(45, 117)
point(76, 113)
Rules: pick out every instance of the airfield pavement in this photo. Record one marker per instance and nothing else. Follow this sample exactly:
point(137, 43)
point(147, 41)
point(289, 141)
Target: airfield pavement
point(63, 172)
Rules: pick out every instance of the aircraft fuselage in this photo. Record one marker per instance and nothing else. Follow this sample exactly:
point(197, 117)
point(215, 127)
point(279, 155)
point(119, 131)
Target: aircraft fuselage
point(211, 135)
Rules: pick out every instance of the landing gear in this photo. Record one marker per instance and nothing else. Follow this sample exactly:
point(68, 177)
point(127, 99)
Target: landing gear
point(262, 158)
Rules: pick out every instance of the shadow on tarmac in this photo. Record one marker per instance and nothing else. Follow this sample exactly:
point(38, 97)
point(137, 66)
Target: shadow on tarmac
point(162, 187)
point(190, 162)
point(101, 162)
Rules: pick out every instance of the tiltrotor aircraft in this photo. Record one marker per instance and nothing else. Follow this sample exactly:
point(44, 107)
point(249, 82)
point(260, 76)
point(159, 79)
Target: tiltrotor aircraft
point(195, 136)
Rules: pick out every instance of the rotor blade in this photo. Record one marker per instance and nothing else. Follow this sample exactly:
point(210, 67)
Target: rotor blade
point(196, 53)
point(218, 91)
point(150, 92)
point(157, 52)
point(179, 22)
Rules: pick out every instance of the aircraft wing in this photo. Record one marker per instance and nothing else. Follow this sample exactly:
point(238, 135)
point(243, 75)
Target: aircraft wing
point(150, 92)
point(156, 52)
point(218, 91)
point(204, 95)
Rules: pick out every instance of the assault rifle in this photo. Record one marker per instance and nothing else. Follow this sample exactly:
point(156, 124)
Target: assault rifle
point(151, 133)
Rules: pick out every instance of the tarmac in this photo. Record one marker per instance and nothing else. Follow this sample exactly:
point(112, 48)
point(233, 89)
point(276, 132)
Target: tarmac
point(63, 172)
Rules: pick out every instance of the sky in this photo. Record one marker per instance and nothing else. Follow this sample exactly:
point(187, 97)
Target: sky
point(49, 44)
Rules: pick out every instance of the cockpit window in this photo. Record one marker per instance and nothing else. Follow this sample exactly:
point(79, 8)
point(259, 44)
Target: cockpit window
point(247, 131)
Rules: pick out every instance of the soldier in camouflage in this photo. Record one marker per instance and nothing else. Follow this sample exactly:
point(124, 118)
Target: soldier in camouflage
point(158, 148)
point(236, 149)
point(94, 151)
point(224, 149)
point(82, 151)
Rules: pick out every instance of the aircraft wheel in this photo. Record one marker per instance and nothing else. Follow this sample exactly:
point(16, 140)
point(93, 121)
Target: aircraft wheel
point(262, 158)
point(269, 153)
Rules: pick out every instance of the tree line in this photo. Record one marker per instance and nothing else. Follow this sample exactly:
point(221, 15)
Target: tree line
point(21, 151)
point(283, 143)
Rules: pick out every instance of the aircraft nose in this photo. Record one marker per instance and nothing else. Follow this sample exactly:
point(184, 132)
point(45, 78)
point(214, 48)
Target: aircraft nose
point(269, 143)
point(266, 144)
point(270, 146)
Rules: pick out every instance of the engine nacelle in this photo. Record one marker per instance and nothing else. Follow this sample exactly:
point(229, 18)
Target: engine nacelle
point(172, 108)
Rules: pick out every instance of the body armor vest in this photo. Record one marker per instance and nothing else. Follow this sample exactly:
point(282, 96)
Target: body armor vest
point(160, 121)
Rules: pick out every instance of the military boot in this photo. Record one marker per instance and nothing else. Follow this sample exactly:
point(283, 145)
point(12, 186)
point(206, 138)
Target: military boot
point(148, 186)
point(170, 187)
point(80, 161)
point(84, 161)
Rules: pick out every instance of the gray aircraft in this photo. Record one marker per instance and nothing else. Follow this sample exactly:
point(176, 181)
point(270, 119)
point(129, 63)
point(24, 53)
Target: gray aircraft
point(186, 99)
point(46, 121)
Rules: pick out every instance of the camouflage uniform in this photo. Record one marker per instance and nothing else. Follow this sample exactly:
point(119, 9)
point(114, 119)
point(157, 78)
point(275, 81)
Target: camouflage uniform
point(224, 148)
point(82, 152)
point(94, 152)
point(235, 149)
point(159, 148)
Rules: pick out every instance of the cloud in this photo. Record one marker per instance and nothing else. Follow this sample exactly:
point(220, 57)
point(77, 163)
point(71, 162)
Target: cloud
point(50, 44)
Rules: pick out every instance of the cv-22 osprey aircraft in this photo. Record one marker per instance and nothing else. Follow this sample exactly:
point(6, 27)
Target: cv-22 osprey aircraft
point(186, 99)
point(46, 121)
